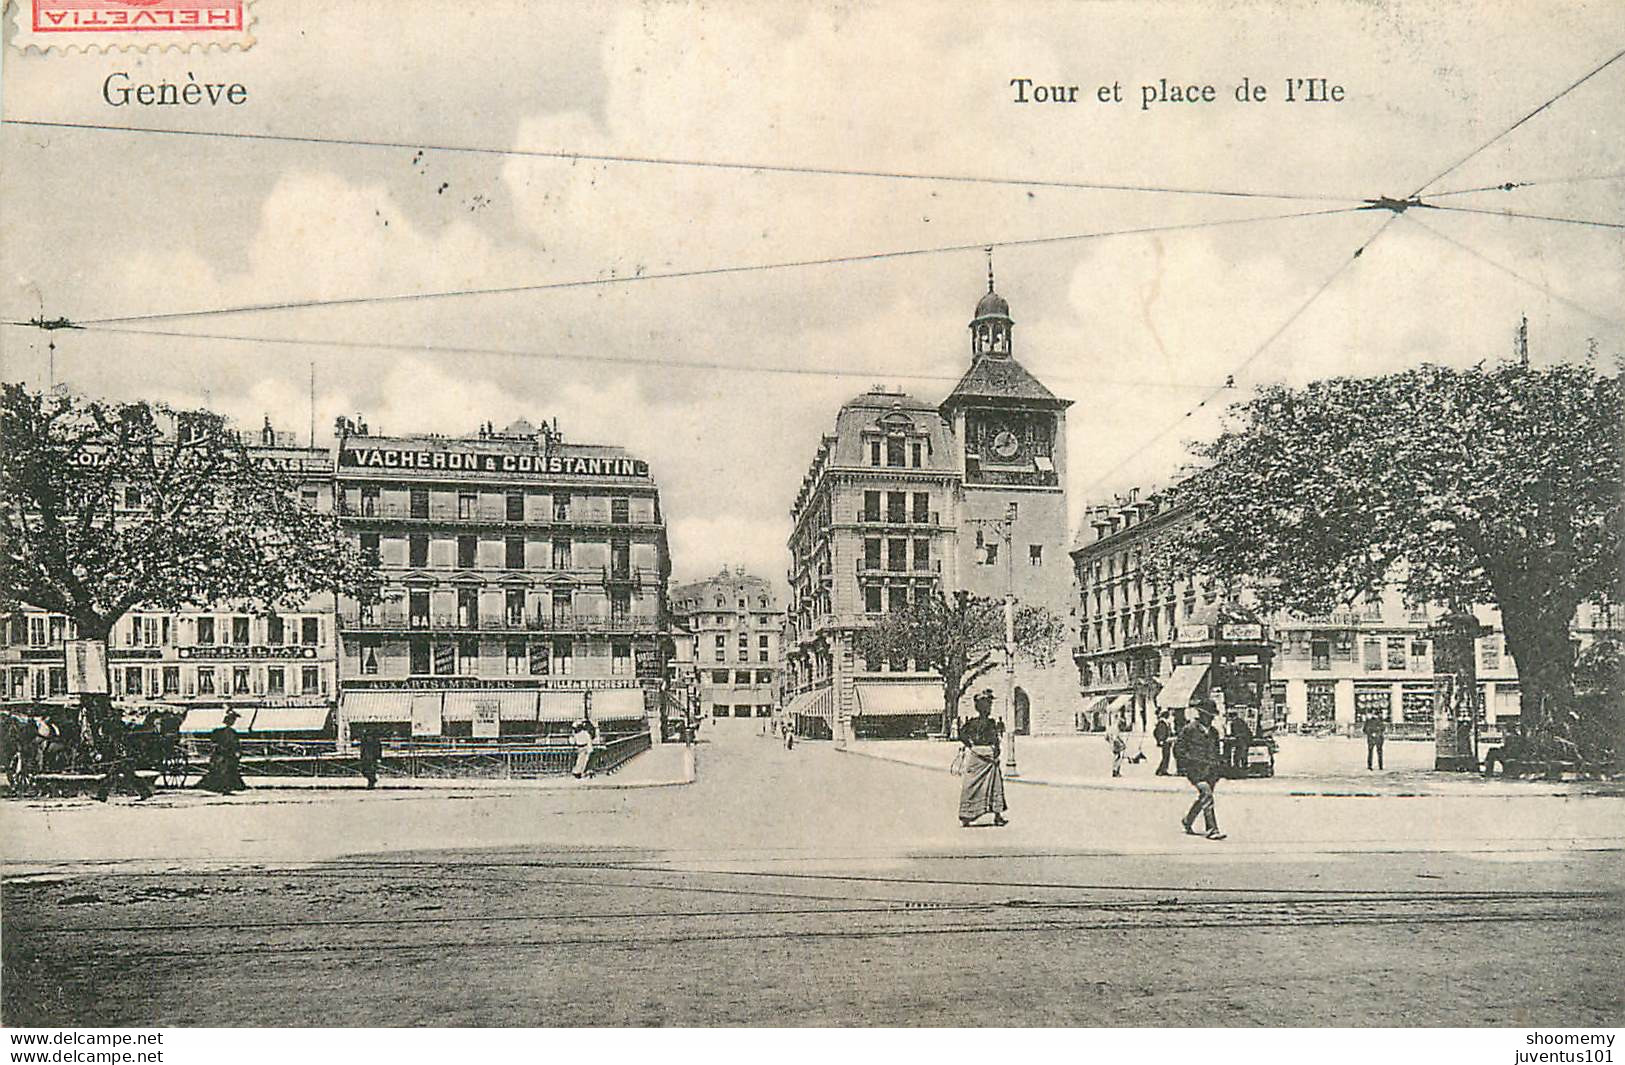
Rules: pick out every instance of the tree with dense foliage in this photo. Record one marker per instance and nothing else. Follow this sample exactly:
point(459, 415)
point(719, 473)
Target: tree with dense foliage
point(1499, 483)
point(962, 640)
point(108, 506)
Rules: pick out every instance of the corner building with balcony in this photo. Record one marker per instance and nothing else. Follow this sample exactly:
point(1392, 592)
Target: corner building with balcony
point(524, 586)
point(905, 498)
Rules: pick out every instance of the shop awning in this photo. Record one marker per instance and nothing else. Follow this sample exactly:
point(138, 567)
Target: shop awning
point(893, 700)
point(207, 719)
point(290, 719)
point(1097, 705)
point(562, 706)
point(617, 704)
point(1178, 689)
point(376, 707)
point(798, 704)
point(823, 704)
point(1119, 703)
point(510, 705)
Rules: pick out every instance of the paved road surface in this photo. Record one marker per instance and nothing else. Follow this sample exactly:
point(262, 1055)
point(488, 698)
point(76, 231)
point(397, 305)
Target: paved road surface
point(810, 887)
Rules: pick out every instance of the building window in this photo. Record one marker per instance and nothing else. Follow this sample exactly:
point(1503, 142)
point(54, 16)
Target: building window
point(922, 507)
point(762, 647)
point(172, 680)
point(916, 453)
point(563, 603)
point(370, 554)
point(205, 632)
point(420, 657)
point(205, 680)
point(369, 501)
point(897, 555)
point(1035, 554)
point(871, 506)
point(1372, 702)
point(1396, 652)
point(874, 451)
point(620, 605)
point(369, 658)
point(420, 502)
point(744, 647)
point(563, 658)
point(764, 676)
point(517, 662)
point(1373, 655)
point(897, 507)
point(742, 678)
point(417, 550)
point(418, 608)
point(871, 554)
point(897, 599)
point(275, 680)
point(1320, 654)
point(239, 680)
point(871, 598)
point(561, 506)
point(468, 505)
point(620, 510)
point(515, 503)
point(239, 630)
point(561, 553)
point(719, 676)
point(274, 630)
point(310, 680)
point(514, 552)
point(894, 451)
point(1322, 702)
point(468, 552)
point(620, 661)
point(513, 602)
point(132, 680)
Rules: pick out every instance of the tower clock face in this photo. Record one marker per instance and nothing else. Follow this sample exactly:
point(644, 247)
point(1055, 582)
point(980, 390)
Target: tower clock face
point(1005, 444)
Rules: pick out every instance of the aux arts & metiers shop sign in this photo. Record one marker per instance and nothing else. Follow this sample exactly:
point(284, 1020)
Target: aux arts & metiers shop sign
point(394, 458)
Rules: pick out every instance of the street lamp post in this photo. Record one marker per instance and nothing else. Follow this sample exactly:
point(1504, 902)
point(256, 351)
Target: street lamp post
point(1007, 532)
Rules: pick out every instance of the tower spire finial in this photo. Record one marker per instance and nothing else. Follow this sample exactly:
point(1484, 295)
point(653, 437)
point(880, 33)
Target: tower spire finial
point(990, 268)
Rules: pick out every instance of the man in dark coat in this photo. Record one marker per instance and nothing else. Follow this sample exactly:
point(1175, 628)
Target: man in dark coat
point(119, 751)
point(372, 750)
point(1198, 751)
point(1375, 727)
point(1164, 735)
point(1241, 738)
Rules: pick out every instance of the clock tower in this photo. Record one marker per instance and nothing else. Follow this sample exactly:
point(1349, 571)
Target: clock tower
point(1010, 436)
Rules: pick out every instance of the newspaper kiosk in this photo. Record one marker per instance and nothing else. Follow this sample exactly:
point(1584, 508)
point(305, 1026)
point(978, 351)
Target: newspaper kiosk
point(1227, 659)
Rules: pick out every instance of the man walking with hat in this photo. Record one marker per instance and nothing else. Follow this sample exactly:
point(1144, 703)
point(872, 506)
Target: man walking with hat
point(1197, 749)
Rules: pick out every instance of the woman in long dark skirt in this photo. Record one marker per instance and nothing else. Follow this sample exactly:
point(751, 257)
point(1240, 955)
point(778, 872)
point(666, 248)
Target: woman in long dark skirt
point(982, 788)
point(225, 774)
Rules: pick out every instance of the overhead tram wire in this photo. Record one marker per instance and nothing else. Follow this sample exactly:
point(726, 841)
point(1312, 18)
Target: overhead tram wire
point(1533, 217)
point(713, 271)
point(1453, 167)
point(1530, 282)
point(1241, 366)
point(1511, 186)
point(871, 373)
point(703, 164)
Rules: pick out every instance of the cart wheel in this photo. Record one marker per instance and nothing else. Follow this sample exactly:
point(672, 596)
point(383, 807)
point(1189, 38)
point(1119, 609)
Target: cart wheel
point(172, 771)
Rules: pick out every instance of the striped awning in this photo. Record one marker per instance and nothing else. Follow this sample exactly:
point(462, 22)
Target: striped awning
point(562, 706)
point(820, 702)
point(290, 719)
point(369, 707)
point(908, 698)
point(510, 705)
point(209, 718)
point(617, 704)
point(1178, 689)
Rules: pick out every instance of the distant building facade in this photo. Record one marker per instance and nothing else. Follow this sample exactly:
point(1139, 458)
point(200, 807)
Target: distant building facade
point(1328, 672)
point(277, 670)
point(736, 626)
point(524, 585)
point(904, 499)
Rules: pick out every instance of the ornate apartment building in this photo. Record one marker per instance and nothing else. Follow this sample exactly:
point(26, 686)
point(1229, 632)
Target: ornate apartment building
point(524, 585)
point(903, 498)
point(736, 626)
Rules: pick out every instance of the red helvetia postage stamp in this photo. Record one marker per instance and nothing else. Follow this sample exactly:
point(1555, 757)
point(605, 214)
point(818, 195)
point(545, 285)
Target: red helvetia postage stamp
point(105, 25)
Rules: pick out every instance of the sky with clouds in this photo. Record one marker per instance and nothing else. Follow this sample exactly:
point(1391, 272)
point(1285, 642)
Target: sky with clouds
point(1135, 328)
